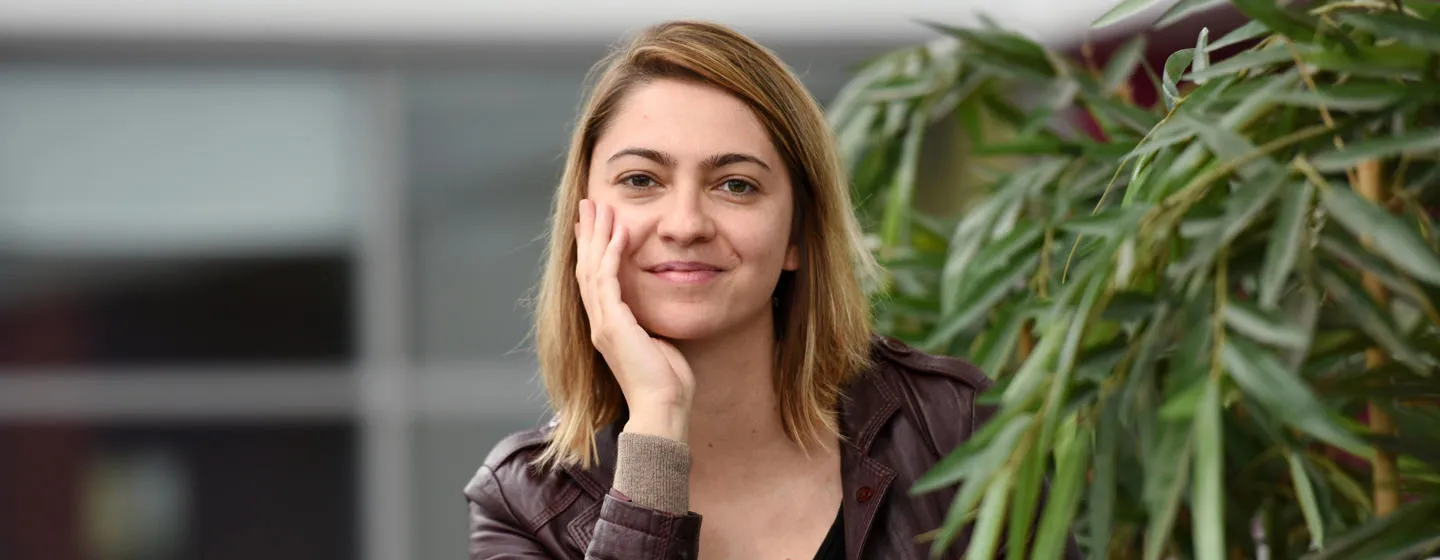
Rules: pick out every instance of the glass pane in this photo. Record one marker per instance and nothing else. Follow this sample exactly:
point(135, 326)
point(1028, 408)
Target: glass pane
point(218, 311)
point(72, 492)
point(160, 160)
point(446, 454)
point(484, 151)
point(197, 213)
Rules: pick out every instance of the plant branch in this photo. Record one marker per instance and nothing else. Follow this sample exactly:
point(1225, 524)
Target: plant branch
point(1387, 492)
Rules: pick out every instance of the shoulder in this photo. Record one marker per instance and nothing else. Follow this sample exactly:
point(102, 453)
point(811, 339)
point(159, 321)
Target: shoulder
point(939, 392)
point(928, 370)
point(511, 486)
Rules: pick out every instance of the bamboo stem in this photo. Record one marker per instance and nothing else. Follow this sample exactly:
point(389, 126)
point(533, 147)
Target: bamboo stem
point(1027, 340)
point(1384, 475)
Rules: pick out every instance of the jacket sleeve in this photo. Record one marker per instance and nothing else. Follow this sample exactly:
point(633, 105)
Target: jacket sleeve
point(627, 531)
point(624, 531)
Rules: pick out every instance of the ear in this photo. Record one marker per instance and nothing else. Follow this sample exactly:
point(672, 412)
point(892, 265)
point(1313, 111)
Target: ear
point(792, 257)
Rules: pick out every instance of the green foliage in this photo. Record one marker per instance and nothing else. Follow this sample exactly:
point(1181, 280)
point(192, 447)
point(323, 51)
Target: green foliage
point(1173, 307)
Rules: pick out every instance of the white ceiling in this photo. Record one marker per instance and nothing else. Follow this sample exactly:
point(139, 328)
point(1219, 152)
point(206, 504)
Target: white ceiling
point(525, 20)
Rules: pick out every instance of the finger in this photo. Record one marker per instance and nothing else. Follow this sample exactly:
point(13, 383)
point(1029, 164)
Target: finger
point(600, 234)
point(583, 231)
point(583, 267)
point(607, 276)
point(609, 268)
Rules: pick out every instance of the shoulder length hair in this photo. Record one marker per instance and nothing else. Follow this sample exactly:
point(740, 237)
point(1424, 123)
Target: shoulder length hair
point(822, 315)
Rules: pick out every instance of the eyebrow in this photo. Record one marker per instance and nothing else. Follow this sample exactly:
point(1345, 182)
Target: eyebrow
point(713, 162)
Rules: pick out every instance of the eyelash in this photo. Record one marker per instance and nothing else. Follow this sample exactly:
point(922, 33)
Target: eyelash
point(628, 182)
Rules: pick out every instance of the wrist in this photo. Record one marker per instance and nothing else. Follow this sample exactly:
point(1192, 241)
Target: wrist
point(665, 422)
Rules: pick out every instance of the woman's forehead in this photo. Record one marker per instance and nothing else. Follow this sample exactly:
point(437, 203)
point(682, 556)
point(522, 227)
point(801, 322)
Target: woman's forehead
point(687, 123)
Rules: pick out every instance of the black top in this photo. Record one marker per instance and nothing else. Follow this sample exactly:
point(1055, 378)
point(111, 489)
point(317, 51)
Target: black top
point(834, 546)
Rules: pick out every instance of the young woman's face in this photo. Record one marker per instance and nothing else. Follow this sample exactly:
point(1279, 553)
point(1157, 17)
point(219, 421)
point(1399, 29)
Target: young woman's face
point(706, 203)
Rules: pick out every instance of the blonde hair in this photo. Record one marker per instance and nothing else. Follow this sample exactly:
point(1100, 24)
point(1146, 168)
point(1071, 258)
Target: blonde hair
point(822, 315)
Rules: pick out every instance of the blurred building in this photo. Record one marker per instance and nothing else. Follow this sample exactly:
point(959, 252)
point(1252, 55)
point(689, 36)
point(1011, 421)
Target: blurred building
point(263, 264)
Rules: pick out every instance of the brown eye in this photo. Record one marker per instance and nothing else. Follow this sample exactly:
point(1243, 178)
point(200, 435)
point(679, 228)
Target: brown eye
point(737, 187)
point(638, 181)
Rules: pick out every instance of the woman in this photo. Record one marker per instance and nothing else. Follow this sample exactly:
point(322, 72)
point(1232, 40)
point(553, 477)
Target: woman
point(704, 337)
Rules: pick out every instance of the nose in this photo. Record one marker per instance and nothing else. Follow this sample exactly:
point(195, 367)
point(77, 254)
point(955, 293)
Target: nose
point(685, 219)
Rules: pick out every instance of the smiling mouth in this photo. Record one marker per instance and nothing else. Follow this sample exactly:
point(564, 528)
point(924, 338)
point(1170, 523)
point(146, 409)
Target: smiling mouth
point(686, 272)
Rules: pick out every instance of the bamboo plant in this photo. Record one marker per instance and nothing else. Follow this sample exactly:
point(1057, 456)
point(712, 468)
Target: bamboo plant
point(1212, 321)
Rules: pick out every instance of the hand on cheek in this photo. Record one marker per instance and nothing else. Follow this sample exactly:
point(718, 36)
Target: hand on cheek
point(655, 379)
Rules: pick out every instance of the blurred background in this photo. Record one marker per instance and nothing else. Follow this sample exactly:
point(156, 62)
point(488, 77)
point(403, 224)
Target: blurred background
point(263, 264)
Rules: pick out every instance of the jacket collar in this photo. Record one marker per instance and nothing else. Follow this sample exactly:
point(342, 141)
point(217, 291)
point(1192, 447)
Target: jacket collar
point(867, 403)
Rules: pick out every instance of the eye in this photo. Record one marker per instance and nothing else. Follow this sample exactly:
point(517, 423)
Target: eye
point(638, 181)
point(738, 187)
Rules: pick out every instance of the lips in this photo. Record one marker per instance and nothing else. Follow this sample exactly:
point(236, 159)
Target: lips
point(684, 266)
point(685, 272)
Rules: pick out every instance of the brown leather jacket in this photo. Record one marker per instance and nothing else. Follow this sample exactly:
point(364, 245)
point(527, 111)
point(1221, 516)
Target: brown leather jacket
point(898, 418)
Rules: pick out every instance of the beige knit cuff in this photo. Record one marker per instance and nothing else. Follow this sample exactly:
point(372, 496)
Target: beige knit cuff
point(654, 472)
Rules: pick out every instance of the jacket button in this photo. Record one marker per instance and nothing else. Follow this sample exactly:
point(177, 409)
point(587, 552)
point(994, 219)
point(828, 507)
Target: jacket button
point(864, 494)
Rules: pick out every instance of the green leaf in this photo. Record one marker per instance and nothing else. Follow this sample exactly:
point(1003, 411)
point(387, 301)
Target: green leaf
point(1341, 245)
point(1261, 376)
point(1413, 522)
point(1284, 242)
point(1358, 97)
point(1393, 25)
point(1202, 56)
point(970, 234)
point(1003, 49)
point(1208, 493)
point(1361, 308)
point(1032, 373)
point(1305, 491)
point(894, 230)
point(1113, 222)
point(1122, 11)
point(1122, 63)
point(1064, 499)
point(1393, 61)
point(1181, 406)
point(1026, 494)
point(1168, 133)
point(1264, 327)
point(1002, 252)
point(978, 464)
point(1165, 483)
point(1250, 30)
point(1029, 146)
point(1174, 67)
point(998, 342)
point(989, 521)
point(979, 298)
point(1297, 26)
point(979, 457)
point(1425, 140)
point(1241, 208)
point(1135, 118)
point(1248, 60)
point(1388, 236)
point(1184, 8)
point(1100, 499)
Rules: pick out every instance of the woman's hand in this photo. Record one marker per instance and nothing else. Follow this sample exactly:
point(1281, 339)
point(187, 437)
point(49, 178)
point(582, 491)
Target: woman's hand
point(657, 383)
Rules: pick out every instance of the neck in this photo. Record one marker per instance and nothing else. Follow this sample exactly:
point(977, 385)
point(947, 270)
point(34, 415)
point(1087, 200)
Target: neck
point(735, 404)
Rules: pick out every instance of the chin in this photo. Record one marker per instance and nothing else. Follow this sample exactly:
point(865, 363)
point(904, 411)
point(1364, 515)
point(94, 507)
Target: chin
point(681, 326)
point(688, 321)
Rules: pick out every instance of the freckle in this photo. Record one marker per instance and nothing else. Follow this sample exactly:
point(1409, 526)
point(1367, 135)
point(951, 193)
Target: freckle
point(709, 445)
